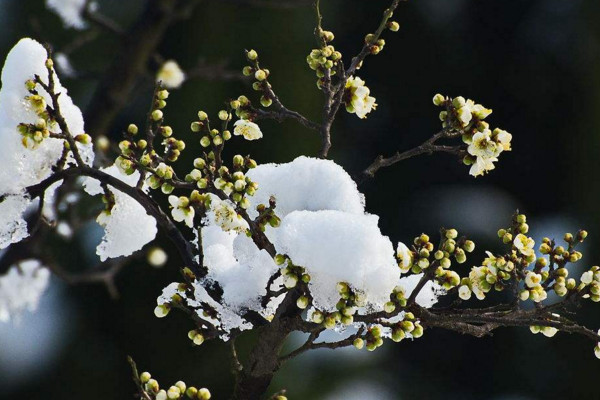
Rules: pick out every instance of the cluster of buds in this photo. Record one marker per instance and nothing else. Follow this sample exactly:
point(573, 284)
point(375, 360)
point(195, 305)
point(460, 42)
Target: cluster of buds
point(460, 114)
point(397, 298)
point(548, 272)
point(267, 216)
point(324, 60)
point(420, 256)
point(261, 75)
point(34, 133)
point(196, 336)
point(373, 338)
point(349, 303)
point(408, 326)
point(291, 273)
point(590, 282)
point(494, 273)
point(162, 178)
point(485, 145)
point(375, 45)
point(179, 390)
point(176, 300)
point(422, 250)
point(212, 138)
point(451, 247)
point(140, 153)
point(547, 331)
point(235, 183)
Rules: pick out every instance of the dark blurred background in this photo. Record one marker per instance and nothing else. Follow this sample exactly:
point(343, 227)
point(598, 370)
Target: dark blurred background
point(535, 62)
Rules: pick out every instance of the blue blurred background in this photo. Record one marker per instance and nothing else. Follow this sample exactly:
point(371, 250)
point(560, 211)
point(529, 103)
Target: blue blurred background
point(535, 62)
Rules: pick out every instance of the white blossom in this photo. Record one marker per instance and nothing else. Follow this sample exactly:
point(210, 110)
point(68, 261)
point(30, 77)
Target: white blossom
point(464, 292)
point(226, 217)
point(182, 210)
point(171, 75)
point(482, 165)
point(532, 279)
point(587, 277)
point(524, 244)
point(248, 129)
point(361, 103)
point(404, 255)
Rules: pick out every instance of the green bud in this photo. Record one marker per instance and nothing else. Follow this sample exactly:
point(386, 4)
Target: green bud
point(394, 27)
point(260, 75)
point(389, 307)
point(157, 115)
point(205, 141)
point(358, 343)
point(302, 302)
point(162, 94)
point(398, 335)
point(224, 115)
point(145, 377)
point(247, 70)
point(265, 101)
point(252, 55)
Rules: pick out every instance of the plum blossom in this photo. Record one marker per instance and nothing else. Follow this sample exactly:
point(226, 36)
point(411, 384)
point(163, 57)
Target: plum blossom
point(360, 102)
point(182, 210)
point(171, 75)
point(248, 129)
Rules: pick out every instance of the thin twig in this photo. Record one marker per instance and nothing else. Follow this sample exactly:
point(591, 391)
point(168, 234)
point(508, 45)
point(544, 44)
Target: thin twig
point(428, 147)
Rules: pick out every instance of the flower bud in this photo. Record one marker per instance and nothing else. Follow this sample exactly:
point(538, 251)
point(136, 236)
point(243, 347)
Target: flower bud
point(162, 310)
point(260, 75)
point(358, 343)
point(302, 302)
point(252, 55)
point(145, 377)
point(157, 115)
point(224, 115)
point(203, 394)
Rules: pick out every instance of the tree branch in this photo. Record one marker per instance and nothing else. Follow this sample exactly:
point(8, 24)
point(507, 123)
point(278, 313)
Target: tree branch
point(428, 147)
point(163, 220)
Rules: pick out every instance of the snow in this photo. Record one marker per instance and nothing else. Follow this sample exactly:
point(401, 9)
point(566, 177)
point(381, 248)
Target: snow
point(236, 263)
point(13, 227)
point(69, 11)
point(128, 228)
point(335, 246)
point(305, 184)
point(23, 167)
point(21, 288)
point(64, 66)
point(428, 296)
